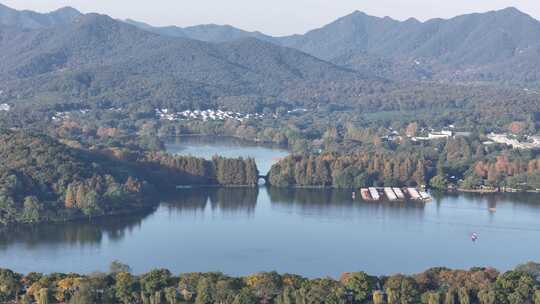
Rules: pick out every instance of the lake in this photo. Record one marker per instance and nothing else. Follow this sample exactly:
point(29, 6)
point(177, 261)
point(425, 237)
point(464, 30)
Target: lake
point(209, 146)
point(305, 231)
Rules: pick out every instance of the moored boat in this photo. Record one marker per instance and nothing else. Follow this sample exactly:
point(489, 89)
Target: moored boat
point(374, 194)
point(364, 192)
point(400, 195)
point(414, 194)
point(424, 195)
point(390, 194)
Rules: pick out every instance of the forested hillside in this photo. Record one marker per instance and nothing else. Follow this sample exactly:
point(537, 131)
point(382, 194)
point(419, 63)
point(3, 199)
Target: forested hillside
point(99, 60)
point(493, 46)
point(42, 179)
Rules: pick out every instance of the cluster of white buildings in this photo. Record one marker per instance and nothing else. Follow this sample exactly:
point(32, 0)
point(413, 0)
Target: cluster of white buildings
point(5, 107)
point(205, 115)
point(434, 135)
point(59, 116)
point(531, 143)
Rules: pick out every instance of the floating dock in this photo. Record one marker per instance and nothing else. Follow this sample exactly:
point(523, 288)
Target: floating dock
point(394, 194)
point(400, 195)
point(414, 194)
point(424, 195)
point(390, 194)
point(374, 194)
point(364, 192)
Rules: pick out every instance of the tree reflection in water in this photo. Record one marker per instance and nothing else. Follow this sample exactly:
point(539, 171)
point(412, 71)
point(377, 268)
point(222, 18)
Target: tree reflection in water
point(243, 202)
point(234, 200)
point(77, 233)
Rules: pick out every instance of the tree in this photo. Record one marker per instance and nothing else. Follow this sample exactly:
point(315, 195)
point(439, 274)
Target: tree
point(360, 284)
point(487, 296)
point(531, 268)
point(450, 297)
point(288, 296)
point(117, 267)
point(378, 297)
point(32, 209)
point(537, 297)
point(402, 289)
point(419, 174)
point(83, 295)
point(464, 297)
point(154, 281)
point(245, 296)
point(125, 287)
point(43, 296)
point(439, 182)
point(70, 199)
point(9, 285)
point(171, 295)
point(204, 292)
point(265, 285)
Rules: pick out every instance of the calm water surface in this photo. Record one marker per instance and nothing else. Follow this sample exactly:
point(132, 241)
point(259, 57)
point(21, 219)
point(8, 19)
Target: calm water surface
point(207, 147)
point(310, 232)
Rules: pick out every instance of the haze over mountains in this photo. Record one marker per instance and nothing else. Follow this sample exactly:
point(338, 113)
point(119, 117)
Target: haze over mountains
point(66, 56)
point(493, 46)
point(474, 46)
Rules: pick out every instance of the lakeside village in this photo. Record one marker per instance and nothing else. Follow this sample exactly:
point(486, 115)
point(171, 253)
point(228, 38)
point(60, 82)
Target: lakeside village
point(524, 143)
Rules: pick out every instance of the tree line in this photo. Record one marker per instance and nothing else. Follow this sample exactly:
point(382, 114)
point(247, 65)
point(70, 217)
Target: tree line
point(167, 169)
point(160, 286)
point(351, 171)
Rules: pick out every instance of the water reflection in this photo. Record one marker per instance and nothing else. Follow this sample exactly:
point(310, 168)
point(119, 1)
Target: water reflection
point(314, 232)
point(241, 200)
point(77, 233)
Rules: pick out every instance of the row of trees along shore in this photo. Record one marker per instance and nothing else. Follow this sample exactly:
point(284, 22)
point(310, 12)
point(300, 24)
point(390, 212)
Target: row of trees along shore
point(350, 171)
point(434, 286)
point(188, 170)
point(516, 170)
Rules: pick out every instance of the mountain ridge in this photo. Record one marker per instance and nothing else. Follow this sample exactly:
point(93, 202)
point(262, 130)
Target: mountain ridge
point(98, 58)
point(33, 20)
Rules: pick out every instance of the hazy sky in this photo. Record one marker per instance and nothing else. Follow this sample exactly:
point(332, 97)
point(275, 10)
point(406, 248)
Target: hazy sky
point(275, 17)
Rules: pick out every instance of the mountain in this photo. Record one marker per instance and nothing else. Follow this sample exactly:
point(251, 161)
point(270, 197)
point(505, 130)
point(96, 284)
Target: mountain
point(468, 39)
point(32, 20)
point(98, 58)
point(490, 46)
point(207, 32)
point(97, 61)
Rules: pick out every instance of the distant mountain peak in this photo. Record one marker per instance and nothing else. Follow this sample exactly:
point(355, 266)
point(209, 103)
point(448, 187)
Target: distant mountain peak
point(68, 10)
point(26, 19)
point(512, 9)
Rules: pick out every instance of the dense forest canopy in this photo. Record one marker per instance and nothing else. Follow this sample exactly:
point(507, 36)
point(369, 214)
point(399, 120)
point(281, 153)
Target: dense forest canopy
point(160, 286)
